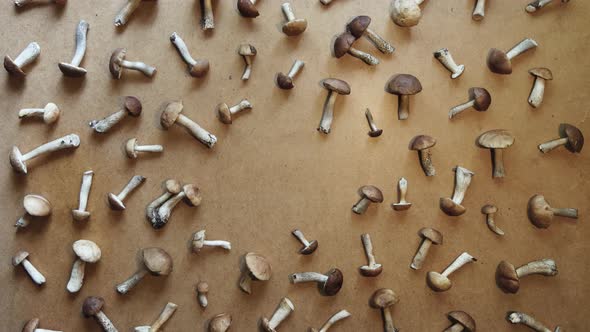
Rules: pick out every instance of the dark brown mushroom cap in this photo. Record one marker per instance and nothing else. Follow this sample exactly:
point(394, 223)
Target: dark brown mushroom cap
point(220, 323)
point(575, 139)
point(171, 113)
point(422, 142)
point(193, 194)
point(481, 97)
point(19, 257)
point(403, 84)
point(333, 284)
point(12, 68)
point(437, 282)
point(284, 81)
point(496, 139)
point(451, 208)
point(506, 277)
point(498, 62)
point(199, 69)
point(383, 298)
point(372, 193)
point(16, 160)
point(295, 27)
point(224, 113)
point(70, 70)
point(309, 249)
point(258, 266)
point(343, 43)
point(115, 203)
point(431, 234)
point(539, 211)
point(358, 25)
point(132, 105)
point(489, 209)
point(463, 318)
point(37, 205)
point(115, 62)
point(542, 72)
point(247, 8)
point(172, 186)
point(92, 305)
point(31, 325)
point(371, 270)
point(375, 133)
point(157, 261)
point(336, 85)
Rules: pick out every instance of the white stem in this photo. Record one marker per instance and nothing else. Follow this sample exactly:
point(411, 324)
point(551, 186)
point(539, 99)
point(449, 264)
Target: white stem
point(366, 57)
point(463, 259)
point(521, 47)
point(536, 96)
point(297, 278)
point(81, 32)
point(128, 284)
point(165, 315)
point(522, 318)
point(66, 142)
point(104, 125)
point(131, 185)
point(479, 10)
point(368, 245)
point(165, 209)
point(492, 225)
point(299, 235)
point(381, 44)
point(537, 4)
point(460, 108)
point(545, 267)
point(402, 187)
point(85, 190)
point(31, 112)
point(285, 308)
point(76, 277)
point(446, 59)
point(243, 105)
point(462, 180)
point(565, 212)
point(197, 131)
point(548, 146)
point(149, 148)
point(45, 330)
point(28, 55)
point(203, 302)
point(217, 243)
point(37, 277)
point(155, 204)
point(296, 68)
point(288, 11)
point(182, 49)
point(125, 12)
point(421, 254)
point(340, 315)
point(361, 206)
point(140, 66)
point(328, 113)
point(207, 21)
point(455, 328)
point(105, 322)
point(370, 121)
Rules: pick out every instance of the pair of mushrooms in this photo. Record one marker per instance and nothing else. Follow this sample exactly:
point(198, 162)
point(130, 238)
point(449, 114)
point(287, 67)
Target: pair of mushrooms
point(154, 261)
point(508, 277)
point(172, 114)
point(117, 202)
point(356, 28)
point(160, 209)
point(36, 206)
point(18, 160)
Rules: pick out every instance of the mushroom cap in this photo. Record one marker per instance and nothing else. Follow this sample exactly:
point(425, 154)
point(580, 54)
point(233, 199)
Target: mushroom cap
point(130, 148)
point(80, 215)
point(247, 8)
point(284, 81)
point(224, 113)
point(463, 318)
point(16, 161)
point(193, 195)
point(375, 133)
point(575, 139)
point(171, 113)
point(539, 211)
point(372, 193)
point(451, 208)
point(12, 68)
point(37, 205)
point(198, 240)
point(157, 261)
point(437, 282)
point(336, 85)
point(70, 70)
point(87, 251)
point(203, 287)
point(371, 271)
point(31, 325)
point(309, 249)
point(333, 284)
point(358, 25)
point(498, 62)
point(489, 209)
point(431, 234)
point(405, 13)
point(132, 105)
point(92, 305)
point(247, 50)
point(506, 277)
point(51, 113)
point(403, 84)
point(258, 266)
point(19, 257)
point(383, 298)
point(117, 57)
point(295, 27)
point(115, 203)
point(199, 69)
point(343, 43)
point(422, 142)
point(172, 186)
point(220, 323)
point(481, 97)
point(542, 72)
point(496, 139)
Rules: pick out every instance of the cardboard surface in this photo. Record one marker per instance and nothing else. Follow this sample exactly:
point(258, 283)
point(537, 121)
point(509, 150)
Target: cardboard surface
point(271, 171)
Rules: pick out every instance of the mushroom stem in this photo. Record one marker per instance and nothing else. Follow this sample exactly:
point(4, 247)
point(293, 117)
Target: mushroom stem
point(548, 146)
point(288, 11)
point(105, 322)
point(207, 20)
point(340, 315)
point(197, 131)
point(104, 125)
point(460, 108)
point(479, 10)
point(31, 112)
point(421, 254)
point(462, 180)
point(125, 12)
point(131, 185)
point(32, 271)
point(85, 190)
point(247, 69)
point(381, 44)
point(426, 161)
point(45, 330)
point(281, 313)
point(370, 120)
point(565, 212)
point(361, 206)
point(366, 57)
point(66, 142)
point(165, 315)
point(463, 259)
point(545, 267)
point(151, 208)
point(182, 49)
point(492, 225)
point(296, 68)
point(536, 96)
point(402, 187)
point(76, 277)
point(28, 55)
point(538, 4)
point(297, 278)
point(446, 59)
point(516, 317)
point(217, 243)
point(128, 284)
point(299, 235)
point(149, 148)
point(455, 328)
point(81, 32)
point(328, 113)
point(368, 245)
point(165, 209)
point(242, 105)
point(521, 47)
point(403, 107)
point(498, 163)
point(139, 66)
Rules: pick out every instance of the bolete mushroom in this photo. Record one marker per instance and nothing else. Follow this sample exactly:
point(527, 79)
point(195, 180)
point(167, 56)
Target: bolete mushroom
point(402, 190)
point(285, 82)
point(373, 130)
point(538, 4)
point(254, 267)
point(569, 136)
point(308, 247)
point(35, 206)
point(164, 316)
point(28, 55)
point(452, 206)
point(537, 92)
point(479, 10)
point(49, 114)
point(369, 194)
point(489, 210)
point(131, 106)
point(335, 87)
point(461, 321)
point(86, 252)
point(501, 63)
point(155, 261)
point(117, 63)
point(116, 202)
point(73, 68)
point(508, 277)
point(343, 44)
point(382, 299)
point(20, 258)
point(132, 148)
point(226, 113)
point(202, 291)
point(294, 26)
point(372, 269)
point(340, 315)
point(172, 115)
point(198, 241)
point(516, 317)
point(92, 307)
point(196, 68)
point(446, 59)
point(248, 52)
point(247, 8)
point(422, 144)
point(21, 3)
point(32, 326)
point(479, 98)
point(405, 13)
point(403, 85)
point(220, 323)
point(329, 284)
point(190, 193)
point(541, 214)
point(429, 237)
point(281, 313)
point(207, 18)
point(496, 140)
point(18, 161)
point(440, 282)
point(171, 187)
point(359, 26)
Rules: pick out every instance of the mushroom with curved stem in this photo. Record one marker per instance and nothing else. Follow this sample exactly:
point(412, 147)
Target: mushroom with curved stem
point(489, 211)
point(404, 86)
point(479, 98)
point(248, 52)
point(226, 113)
point(308, 246)
point(171, 187)
point(516, 317)
point(446, 59)
point(172, 115)
point(155, 261)
point(372, 269)
point(132, 148)
point(329, 284)
point(49, 114)
point(198, 241)
point(501, 63)
point(202, 291)
point(359, 26)
point(73, 68)
point(18, 161)
point(207, 18)
point(281, 313)
point(117, 63)
point(164, 316)
point(220, 323)
point(479, 10)
point(196, 68)
point(569, 136)
point(80, 214)
point(335, 87)
point(92, 307)
point(402, 189)
point(496, 140)
point(35, 206)
point(537, 92)
point(190, 193)
point(254, 267)
point(429, 237)
point(21, 3)
point(131, 106)
point(538, 4)
point(373, 130)
point(20, 258)
point(33, 326)
point(405, 13)
point(422, 144)
point(343, 44)
point(369, 194)
point(508, 277)
point(285, 82)
point(461, 320)
point(294, 26)
point(440, 282)
point(383, 299)
point(541, 214)
point(28, 55)
point(116, 202)
point(247, 8)
point(452, 206)
point(335, 318)
point(125, 13)
point(86, 252)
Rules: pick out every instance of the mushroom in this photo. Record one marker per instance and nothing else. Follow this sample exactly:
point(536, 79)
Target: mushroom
point(132, 148)
point(198, 242)
point(248, 52)
point(372, 269)
point(283, 311)
point(73, 68)
point(171, 187)
point(335, 87)
point(293, 26)
point(326, 2)
point(541, 214)
point(541, 75)
point(35, 206)
point(343, 44)
point(490, 210)
point(461, 321)
point(340, 315)
point(18, 161)
point(452, 206)
point(92, 307)
point(382, 299)
point(403, 85)
point(131, 106)
point(329, 284)
point(373, 130)
point(359, 26)
point(496, 140)
point(516, 317)
point(125, 13)
point(21, 3)
point(538, 4)
point(21, 258)
point(49, 114)
point(479, 98)
point(254, 267)
point(479, 11)
point(369, 194)
point(164, 316)
point(285, 82)
point(202, 290)
point(402, 189)
point(405, 13)
point(226, 113)
point(439, 282)
point(501, 63)
point(28, 55)
point(569, 136)
point(220, 323)
point(422, 144)
point(508, 277)
point(172, 115)
point(190, 193)
point(118, 62)
point(247, 8)
point(32, 326)
point(86, 252)
point(207, 19)
point(80, 213)
point(196, 68)
point(308, 247)
point(116, 202)
point(154, 261)
point(429, 237)
point(446, 59)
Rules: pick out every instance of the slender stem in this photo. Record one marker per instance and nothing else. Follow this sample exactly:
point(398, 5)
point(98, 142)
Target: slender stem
point(182, 49)
point(426, 162)
point(463, 259)
point(139, 66)
point(479, 10)
point(536, 96)
point(521, 47)
point(446, 59)
point(548, 146)
point(403, 107)
point(128, 284)
point(81, 32)
point(37, 276)
point(381, 44)
point(546, 267)
point(340, 315)
point(299, 235)
point(421, 254)
point(368, 245)
point(105, 322)
point(85, 190)
point(197, 131)
point(104, 125)
point(165, 315)
point(66, 142)
point(361, 205)
point(203, 301)
point(76, 277)
point(149, 148)
point(207, 20)
point(242, 105)
point(366, 57)
point(566, 212)
point(288, 11)
point(460, 108)
point(328, 113)
point(28, 55)
point(498, 163)
point(522, 318)
point(217, 243)
point(31, 112)
point(492, 224)
point(370, 120)
point(125, 12)
point(296, 68)
point(536, 5)
point(135, 182)
point(297, 278)
point(387, 320)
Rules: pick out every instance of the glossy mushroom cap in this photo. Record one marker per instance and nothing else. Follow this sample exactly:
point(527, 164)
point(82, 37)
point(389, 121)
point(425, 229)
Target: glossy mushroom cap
point(170, 114)
point(220, 323)
point(372, 193)
point(383, 298)
point(87, 251)
point(309, 249)
point(130, 148)
point(258, 266)
point(115, 62)
point(539, 211)
point(37, 205)
point(193, 195)
point(224, 113)
point(247, 8)
point(358, 25)
point(451, 208)
point(336, 85)
point(12, 68)
point(19, 257)
point(432, 234)
point(295, 27)
point(31, 325)
point(132, 105)
point(575, 139)
point(437, 282)
point(422, 142)
point(70, 70)
point(333, 284)
point(481, 97)
point(285, 82)
point(200, 69)
point(92, 305)
point(462, 318)
point(542, 72)
point(157, 261)
point(51, 113)
point(489, 209)
point(16, 160)
point(343, 43)
point(498, 62)
point(506, 277)
point(403, 84)
point(496, 139)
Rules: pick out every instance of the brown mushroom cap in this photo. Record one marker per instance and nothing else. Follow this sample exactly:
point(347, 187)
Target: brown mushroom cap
point(343, 43)
point(539, 211)
point(481, 97)
point(403, 84)
point(199, 69)
point(496, 139)
point(372, 193)
point(115, 62)
point(451, 208)
point(37, 205)
point(70, 70)
point(383, 298)
point(130, 148)
point(171, 113)
point(437, 282)
point(432, 234)
point(92, 305)
point(12, 68)
point(31, 325)
point(336, 85)
point(220, 323)
point(575, 139)
point(333, 284)
point(498, 62)
point(19, 257)
point(258, 266)
point(422, 142)
point(285, 82)
point(115, 203)
point(16, 161)
point(157, 261)
point(358, 25)
point(506, 277)
point(132, 105)
point(309, 249)
point(247, 8)
point(295, 27)
point(489, 209)
point(172, 186)
point(224, 113)
point(193, 194)
point(87, 251)
point(463, 318)
point(203, 287)
point(542, 72)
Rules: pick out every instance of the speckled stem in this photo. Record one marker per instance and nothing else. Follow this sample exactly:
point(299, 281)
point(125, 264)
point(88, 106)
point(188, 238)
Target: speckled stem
point(104, 125)
point(426, 162)
point(207, 20)
point(66, 142)
point(381, 44)
point(125, 12)
point(366, 57)
point(105, 322)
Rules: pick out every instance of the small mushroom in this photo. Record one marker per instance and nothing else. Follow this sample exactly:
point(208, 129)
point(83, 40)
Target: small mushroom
point(446, 59)
point(382, 299)
point(329, 284)
point(490, 210)
point(516, 317)
point(21, 258)
point(131, 106)
point(359, 26)
point(422, 144)
point(308, 247)
point(21, 3)
point(164, 316)
point(343, 44)
point(254, 267)
point(285, 82)
point(50, 113)
point(125, 13)
point(28, 55)
point(440, 282)
point(461, 321)
point(32, 326)
point(479, 10)
point(496, 140)
point(373, 130)
point(452, 206)
point(479, 98)
point(326, 2)
point(247, 8)
point(73, 68)
point(283, 311)
point(116, 202)
point(202, 290)
point(18, 161)
point(248, 52)
point(86, 252)
point(402, 189)
point(92, 307)
point(196, 68)
point(541, 75)
point(171, 187)
point(403, 85)
point(132, 148)
point(541, 214)
point(538, 4)
point(508, 277)
point(294, 26)
point(405, 13)
point(340, 315)
point(220, 323)
point(335, 87)
point(80, 213)
point(429, 237)
point(172, 115)
point(372, 269)
point(198, 242)
point(190, 193)
point(225, 113)
point(154, 261)
point(117, 63)
point(35, 206)
point(569, 136)
point(501, 63)
point(207, 18)
point(369, 194)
